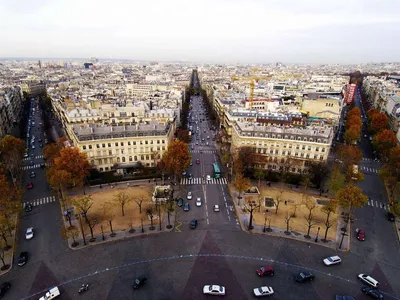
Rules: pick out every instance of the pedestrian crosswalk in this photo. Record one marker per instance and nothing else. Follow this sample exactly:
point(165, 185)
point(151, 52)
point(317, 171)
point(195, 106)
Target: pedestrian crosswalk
point(40, 201)
point(203, 151)
point(378, 204)
point(371, 170)
point(36, 157)
point(370, 159)
point(31, 167)
point(203, 181)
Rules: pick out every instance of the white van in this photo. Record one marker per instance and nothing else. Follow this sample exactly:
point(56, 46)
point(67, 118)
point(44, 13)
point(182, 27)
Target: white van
point(368, 280)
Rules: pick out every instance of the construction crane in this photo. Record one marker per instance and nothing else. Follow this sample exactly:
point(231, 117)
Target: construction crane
point(252, 80)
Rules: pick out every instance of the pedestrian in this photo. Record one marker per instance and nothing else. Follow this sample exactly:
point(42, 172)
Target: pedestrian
point(383, 206)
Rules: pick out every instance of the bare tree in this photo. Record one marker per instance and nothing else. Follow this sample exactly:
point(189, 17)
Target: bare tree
point(328, 210)
point(288, 217)
point(251, 206)
point(92, 222)
point(139, 202)
point(122, 199)
point(109, 215)
point(310, 204)
point(150, 213)
point(83, 205)
point(278, 200)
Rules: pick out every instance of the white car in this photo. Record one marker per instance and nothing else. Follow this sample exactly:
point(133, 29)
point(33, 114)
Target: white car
point(198, 202)
point(263, 291)
point(332, 260)
point(217, 290)
point(216, 207)
point(29, 233)
point(208, 177)
point(189, 196)
point(368, 280)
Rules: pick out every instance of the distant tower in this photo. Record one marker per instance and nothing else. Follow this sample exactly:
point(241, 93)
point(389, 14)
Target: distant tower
point(40, 64)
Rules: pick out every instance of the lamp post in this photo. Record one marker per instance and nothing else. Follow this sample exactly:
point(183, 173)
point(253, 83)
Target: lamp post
point(316, 238)
point(102, 232)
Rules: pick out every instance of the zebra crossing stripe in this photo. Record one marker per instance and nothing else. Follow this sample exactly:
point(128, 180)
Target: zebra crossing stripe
point(199, 180)
point(40, 201)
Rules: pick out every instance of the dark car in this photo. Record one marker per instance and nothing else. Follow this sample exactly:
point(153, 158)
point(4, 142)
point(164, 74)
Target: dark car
point(42, 166)
point(22, 259)
point(266, 271)
point(4, 287)
point(374, 293)
point(180, 202)
point(28, 207)
point(345, 298)
point(193, 224)
point(391, 217)
point(304, 276)
point(186, 207)
point(141, 280)
point(360, 235)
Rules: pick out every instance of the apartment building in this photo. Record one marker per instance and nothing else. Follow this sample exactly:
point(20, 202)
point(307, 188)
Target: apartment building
point(284, 146)
point(122, 148)
point(10, 108)
point(139, 90)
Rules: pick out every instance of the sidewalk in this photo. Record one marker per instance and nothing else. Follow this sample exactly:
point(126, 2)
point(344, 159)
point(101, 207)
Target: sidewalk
point(9, 254)
point(243, 219)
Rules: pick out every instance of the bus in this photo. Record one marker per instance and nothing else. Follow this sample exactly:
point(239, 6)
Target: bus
point(217, 172)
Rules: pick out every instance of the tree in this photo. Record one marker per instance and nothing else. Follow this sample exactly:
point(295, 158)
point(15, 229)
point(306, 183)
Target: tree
point(350, 197)
point(183, 135)
point(83, 205)
point(278, 199)
point(396, 209)
point(122, 199)
point(4, 232)
point(245, 159)
point(288, 217)
point(71, 232)
point(108, 213)
point(384, 141)
point(50, 152)
point(318, 172)
point(378, 123)
point(59, 180)
point(336, 180)
point(150, 213)
point(353, 174)
point(3, 250)
point(371, 112)
point(91, 223)
point(260, 175)
point(12, 152)
point(73, 161)
point(310, 204)
point(177, 158)
point(241, 184)
point(251, 206)
point(349, 155)
point(352, 135)
point(354, 112)
point(139, 202)
point(328, 210)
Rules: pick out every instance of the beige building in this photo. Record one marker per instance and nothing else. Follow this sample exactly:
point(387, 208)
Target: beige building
point(122, 148)
point(322, 108)
point(292, 147)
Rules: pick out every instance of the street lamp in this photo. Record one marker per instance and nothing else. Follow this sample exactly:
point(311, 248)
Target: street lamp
point(316, 238)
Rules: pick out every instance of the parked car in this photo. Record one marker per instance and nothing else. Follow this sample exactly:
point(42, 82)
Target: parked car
point(26, 155)
point(140, 281)
point(266, 271)
point(189, 196)
point(374, 293)
point(42, 166)
point(186, 207)
point(391, 217)
point(193, 224)
point(216, 207)
point(217, 290)
point(368, 280)
point(197, 161)
point(360, 235)
point(180, 202)
point(304, 276)
point(4, 287)
point(332, 260)
point(29, 185)
point(29, 233)
point(263, 291)
point(33, 174)
point(208, 177)
point(23, 258)
point(198, 202)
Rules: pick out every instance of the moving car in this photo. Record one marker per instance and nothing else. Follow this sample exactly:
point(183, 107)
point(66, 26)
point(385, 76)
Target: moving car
point(266, 271)
point(332, 260)
point(29, 185)
point(28, 207)
point(186, 207)
point(208, 177)
point(304, 276)
point(197, 161)
point(193, 224)
point(51, 294)
point(23, 258)
point(374, 293)
point(189, 196)
point(141, 280)
point(391, 217)
point(368, 280)
point(360, 235)
point(29, 233)
point(263, 291)
point(4, 287)
point(216, 207)
point(217, 290)
point(42, 165)
point(26, 155)
point(198, 202)
point(33, 174)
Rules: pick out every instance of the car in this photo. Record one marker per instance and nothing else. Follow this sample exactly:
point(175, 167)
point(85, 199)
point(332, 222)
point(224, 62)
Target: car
point(180, 202)
point(41, 145)
point(214, 289)
point(197, 161)
point(26, 155)
point(216, 207)
point(368, 280)
point(360, 235)
point(208, 137)
point(374, 293)
point(198, 202)
point(141, 280)
point(42, 165)
point(192, 147)
point(40, 140)
point(263, 291)
point(190, 176)
point(339, 297)
point(332, 260)
point(365, 136)
point(23, 258)
point(33, 147)
point(304, 276)
point(370, 138)
point(197, 143)
point(203, 139)
point(32, 162)
point(29, 185)
point(265, 271)
point(208, 177)
point(186, 206)
point(207, 144)
point(391, 217)
point(33, 174)
point(4, 287)
point(189, 196)
point(28, 207)
point(193, 224)
point(184, 173)
point(29, 233)
point(191, 163)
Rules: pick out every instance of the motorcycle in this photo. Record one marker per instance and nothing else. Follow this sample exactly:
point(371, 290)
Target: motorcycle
point(83, 288)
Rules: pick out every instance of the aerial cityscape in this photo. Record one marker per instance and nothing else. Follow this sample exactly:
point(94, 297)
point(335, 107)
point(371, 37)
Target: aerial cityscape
point(144, 158)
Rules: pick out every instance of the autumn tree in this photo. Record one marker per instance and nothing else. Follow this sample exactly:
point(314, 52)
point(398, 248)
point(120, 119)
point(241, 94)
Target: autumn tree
point(354, 112)
point(310, 205)
point(353, 174)
point(12, 152)
point(336, 180)
point(59, 180)
point(350, 197)
point(245, 159)
point(177, 158)
point(352, 135)
point(122, 199)
point(384, 141)
point(259, 174)
point(91, 223)
point(108, 214)
point(378, 123)
point(241, 184)
point(71, 232)
point(183, 135)
point(371, 112)
point(390, 172)
point(350, 155)
point(51, 152)
point(3, 255)
point(288, 217)
point(83, 205)
point(318, 171)
point(328, 209)
point(73, 161)
point(396, 209)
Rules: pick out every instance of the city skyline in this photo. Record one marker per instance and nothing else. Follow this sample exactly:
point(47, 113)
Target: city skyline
point(214, 32)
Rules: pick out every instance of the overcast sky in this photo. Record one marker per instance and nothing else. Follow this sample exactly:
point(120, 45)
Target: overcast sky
point(215, 31)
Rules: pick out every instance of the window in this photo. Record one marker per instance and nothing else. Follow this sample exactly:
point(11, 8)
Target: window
point(321, 157)
point(134, 143)
point(163, 141)
point(129, 143)
point(135, 158)
point(323, 149)
point(315, 156)
point(116, 144)
point(130, 158)
point(123, 158)
point(146, 142)
point(303, 147)
point(84, 147)
point(109, 152)
point(317, 149)
point(142, 157)
point(97, 146)
point(297, 147)
point(309, 147)
point(90, 146)
point(122, 143)
point(109, 144)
